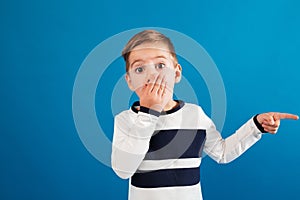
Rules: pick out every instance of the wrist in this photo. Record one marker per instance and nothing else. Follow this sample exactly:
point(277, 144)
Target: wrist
point(156, 107)
point(258, 124)
point(150, 110)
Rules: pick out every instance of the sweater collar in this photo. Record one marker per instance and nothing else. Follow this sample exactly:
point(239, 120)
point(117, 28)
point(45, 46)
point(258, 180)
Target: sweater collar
point(179, 105)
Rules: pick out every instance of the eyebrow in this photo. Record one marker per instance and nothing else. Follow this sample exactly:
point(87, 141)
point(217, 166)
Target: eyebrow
point(139, 60)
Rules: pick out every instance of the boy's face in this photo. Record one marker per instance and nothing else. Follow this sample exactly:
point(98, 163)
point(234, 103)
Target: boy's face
point(149, 61)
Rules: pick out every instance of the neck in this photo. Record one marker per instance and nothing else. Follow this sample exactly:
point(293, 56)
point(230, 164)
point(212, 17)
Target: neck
point(171, 104)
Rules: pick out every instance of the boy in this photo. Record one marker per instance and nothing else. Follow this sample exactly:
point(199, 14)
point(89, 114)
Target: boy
point(158, 142)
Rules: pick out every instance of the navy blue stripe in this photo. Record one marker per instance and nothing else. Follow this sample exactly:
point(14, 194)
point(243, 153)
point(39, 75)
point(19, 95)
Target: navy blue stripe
point(166, 178)
point(173, 144)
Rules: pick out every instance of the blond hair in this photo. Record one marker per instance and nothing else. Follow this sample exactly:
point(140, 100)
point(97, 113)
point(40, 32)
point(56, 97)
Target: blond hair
point(147, 36)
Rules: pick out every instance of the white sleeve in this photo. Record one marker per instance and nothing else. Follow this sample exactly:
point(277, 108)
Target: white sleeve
point(226, 150)
point(132, 133)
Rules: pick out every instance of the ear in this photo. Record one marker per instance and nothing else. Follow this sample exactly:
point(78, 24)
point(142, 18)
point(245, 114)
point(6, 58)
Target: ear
point(178, 70)
point(128, 80)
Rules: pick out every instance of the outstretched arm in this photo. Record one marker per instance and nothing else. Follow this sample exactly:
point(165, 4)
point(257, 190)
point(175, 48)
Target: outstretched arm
point(226, 150)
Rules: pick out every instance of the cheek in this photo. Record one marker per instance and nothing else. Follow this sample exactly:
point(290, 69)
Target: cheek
point(138, 82)
point(170, 78)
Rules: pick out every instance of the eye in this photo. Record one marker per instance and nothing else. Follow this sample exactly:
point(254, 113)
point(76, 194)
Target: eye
point(160, 66)
point(139, 70)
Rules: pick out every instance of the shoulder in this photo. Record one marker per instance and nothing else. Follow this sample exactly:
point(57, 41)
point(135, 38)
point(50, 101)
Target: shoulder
point(193, 108)
point(193, 111)
point(125, 115)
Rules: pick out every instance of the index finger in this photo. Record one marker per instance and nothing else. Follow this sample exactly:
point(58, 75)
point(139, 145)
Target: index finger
point(286, 116)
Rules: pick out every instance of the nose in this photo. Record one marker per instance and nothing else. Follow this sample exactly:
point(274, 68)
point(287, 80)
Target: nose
point(152, 74)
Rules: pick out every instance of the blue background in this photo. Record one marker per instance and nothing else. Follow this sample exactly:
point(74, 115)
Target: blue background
point(255, 45)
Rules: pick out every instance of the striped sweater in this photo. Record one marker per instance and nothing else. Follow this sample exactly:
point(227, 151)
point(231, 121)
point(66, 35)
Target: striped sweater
point(161, 152)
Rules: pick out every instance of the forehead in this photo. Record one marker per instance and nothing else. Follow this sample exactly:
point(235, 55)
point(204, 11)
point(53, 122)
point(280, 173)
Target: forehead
point(149, 51)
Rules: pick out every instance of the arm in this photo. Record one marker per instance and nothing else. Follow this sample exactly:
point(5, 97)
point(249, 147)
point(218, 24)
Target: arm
point(132, 133)
point(226, 150)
